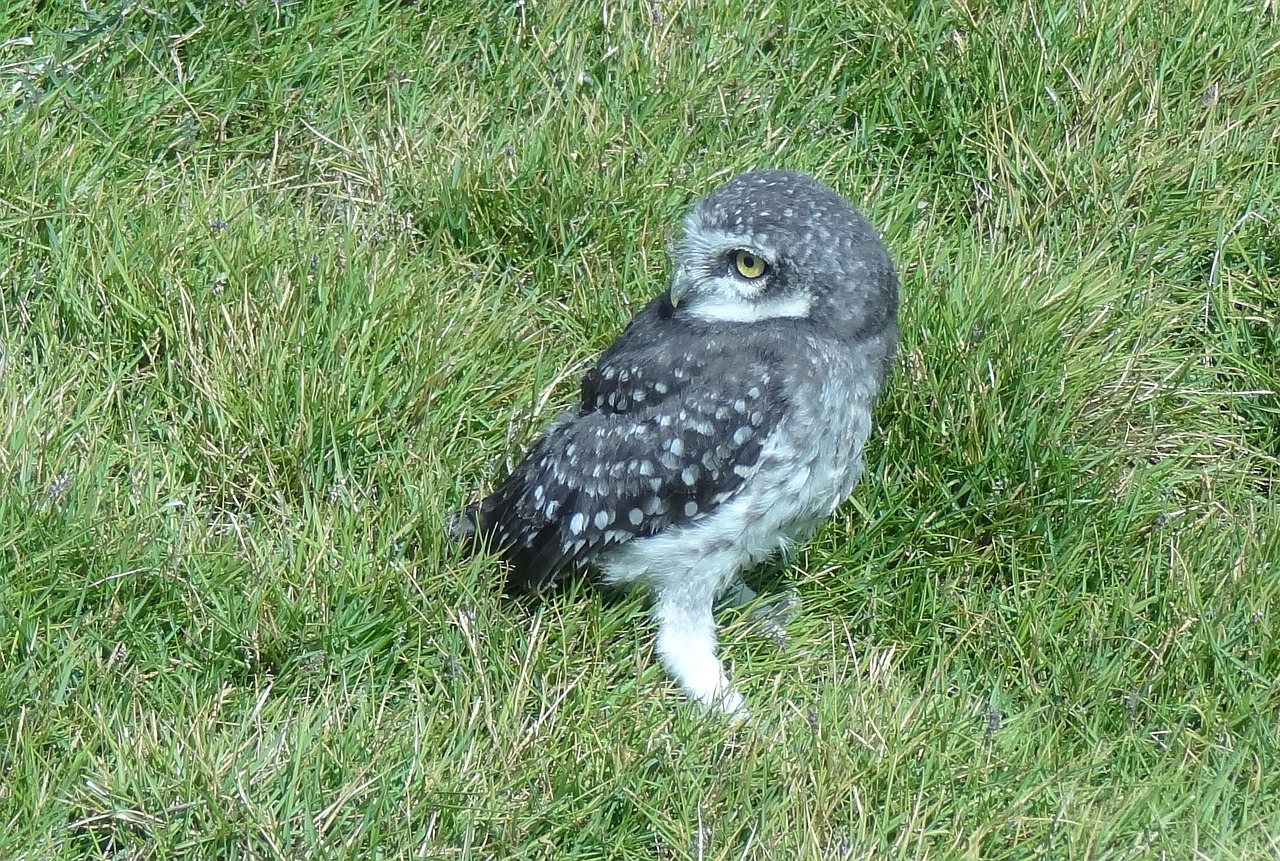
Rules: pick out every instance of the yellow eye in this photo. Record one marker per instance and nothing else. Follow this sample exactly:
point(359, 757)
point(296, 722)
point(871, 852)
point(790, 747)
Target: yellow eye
point(748, 265)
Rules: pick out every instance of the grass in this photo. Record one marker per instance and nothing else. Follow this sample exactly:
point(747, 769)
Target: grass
point(281, 284)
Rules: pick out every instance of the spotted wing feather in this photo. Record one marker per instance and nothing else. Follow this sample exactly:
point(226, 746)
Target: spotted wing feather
point(652, 447)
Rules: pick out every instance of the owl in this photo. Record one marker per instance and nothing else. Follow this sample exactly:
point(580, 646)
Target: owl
point(722, 426)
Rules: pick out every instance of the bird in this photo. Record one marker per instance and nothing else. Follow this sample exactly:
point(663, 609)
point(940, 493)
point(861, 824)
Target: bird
point(722, 426)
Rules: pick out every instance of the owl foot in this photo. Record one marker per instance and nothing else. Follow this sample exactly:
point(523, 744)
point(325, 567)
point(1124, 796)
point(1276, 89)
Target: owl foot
point(770, 616)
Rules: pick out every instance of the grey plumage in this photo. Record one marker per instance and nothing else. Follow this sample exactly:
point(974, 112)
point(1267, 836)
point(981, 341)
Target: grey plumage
point(724, 423)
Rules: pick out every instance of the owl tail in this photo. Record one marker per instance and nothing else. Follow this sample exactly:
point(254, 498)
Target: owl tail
point(461, 525)
point(528, 566)
point(473, 527)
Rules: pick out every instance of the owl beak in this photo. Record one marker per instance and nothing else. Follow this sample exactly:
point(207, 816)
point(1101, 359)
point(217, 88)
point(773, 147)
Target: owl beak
point(680, 284)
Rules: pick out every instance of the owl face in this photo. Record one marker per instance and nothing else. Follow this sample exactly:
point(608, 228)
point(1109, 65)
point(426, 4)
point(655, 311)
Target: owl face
point(775, 245)
point(732, 273)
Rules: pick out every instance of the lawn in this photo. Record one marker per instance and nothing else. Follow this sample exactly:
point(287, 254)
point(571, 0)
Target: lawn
point(284, 283)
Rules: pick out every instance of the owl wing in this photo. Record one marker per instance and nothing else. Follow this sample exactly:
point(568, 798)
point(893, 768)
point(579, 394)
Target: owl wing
point(660, 440)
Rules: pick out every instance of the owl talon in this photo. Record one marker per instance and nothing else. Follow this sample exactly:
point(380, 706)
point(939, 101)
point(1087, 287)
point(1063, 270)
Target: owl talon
point(734, 708)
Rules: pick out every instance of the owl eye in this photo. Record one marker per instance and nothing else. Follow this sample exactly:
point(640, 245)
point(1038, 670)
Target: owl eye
point(750, 266)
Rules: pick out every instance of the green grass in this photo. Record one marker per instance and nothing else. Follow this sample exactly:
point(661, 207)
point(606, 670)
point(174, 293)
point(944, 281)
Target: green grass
point(281, 284)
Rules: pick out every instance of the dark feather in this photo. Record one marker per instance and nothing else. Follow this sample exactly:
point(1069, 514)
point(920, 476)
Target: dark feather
point(654, 445)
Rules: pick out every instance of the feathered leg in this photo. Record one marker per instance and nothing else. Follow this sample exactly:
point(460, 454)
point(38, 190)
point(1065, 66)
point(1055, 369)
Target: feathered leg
point(686, 646)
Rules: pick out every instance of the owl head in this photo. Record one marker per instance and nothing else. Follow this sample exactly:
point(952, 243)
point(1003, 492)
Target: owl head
point(772, 245)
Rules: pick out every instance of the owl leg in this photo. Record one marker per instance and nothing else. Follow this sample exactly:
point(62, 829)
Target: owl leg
point(739, 594)
point(770, 615)
point(686, 646)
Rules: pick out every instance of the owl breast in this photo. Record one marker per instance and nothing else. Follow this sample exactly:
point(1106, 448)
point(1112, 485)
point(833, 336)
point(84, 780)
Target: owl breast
point(814, 460)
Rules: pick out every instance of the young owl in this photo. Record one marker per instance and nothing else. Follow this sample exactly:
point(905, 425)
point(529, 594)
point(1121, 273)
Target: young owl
point(722, 426)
